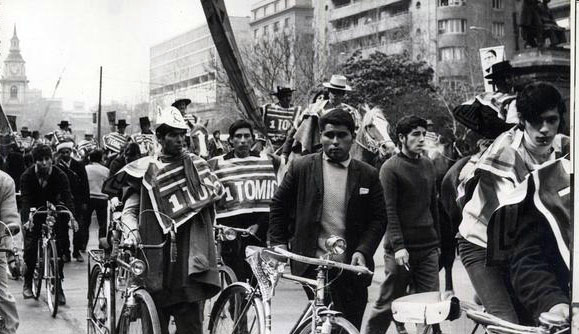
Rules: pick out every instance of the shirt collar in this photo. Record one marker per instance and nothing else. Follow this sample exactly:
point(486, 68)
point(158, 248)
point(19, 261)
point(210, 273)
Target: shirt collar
point(344, 163)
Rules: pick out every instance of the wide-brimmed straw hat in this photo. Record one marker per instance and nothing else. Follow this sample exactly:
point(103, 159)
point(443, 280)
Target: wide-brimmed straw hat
point(338, 82)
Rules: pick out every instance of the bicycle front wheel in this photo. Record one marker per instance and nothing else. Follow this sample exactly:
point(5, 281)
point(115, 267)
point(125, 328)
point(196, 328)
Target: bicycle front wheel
point(141, 317)
point(337, 324)
point(52, 278)
point(38, 274)
point(226, 278)
point(99, 302)
point(237, 311)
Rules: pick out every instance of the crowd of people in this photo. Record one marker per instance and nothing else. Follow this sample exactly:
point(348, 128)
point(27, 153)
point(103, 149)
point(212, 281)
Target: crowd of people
point(171, 172)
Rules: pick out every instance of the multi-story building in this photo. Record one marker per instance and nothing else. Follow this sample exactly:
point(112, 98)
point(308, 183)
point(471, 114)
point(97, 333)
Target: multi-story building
point(445, 33)
point(185, 67)
point(277, 27)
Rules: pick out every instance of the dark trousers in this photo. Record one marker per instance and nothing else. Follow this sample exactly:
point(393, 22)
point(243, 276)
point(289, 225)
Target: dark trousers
point(422, 277)
point(490, 283)
point(31, 247)
point(347, 292)
point(188, 318)
point(99, 206)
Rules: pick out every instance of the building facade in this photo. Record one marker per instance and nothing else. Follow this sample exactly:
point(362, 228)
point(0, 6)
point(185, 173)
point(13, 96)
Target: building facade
point(14, 82)
point(185, 67)
point(445, 33)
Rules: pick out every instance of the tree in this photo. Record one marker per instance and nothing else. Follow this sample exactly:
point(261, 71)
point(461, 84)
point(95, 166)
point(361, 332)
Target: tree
point(397, 84)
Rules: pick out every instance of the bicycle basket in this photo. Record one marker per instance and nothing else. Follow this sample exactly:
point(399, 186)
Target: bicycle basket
point(266, 270)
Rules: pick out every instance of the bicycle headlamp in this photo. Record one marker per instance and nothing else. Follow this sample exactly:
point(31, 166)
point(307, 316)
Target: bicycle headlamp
point(138, 267)
point(229, 234)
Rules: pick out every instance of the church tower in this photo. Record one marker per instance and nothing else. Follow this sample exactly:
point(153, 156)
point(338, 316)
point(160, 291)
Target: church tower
point(14, 82)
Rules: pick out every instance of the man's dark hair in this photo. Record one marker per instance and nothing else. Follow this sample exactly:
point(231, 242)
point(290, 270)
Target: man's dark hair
point(338, 116)
point(240, 124)
point(408, 123)
point(163, 129)
point(95, 156)
point(41, 151)
point(216, 132)
point(538, 97)
point(132, 150)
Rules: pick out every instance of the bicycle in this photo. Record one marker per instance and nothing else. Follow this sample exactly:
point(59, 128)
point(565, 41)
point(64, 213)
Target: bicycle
point(114, 280)
point(242, 308)
point(427, 309)
point(549, 323)
point(47, 268)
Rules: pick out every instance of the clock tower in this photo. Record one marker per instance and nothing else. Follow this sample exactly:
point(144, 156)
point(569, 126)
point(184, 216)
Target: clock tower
point(14, 82)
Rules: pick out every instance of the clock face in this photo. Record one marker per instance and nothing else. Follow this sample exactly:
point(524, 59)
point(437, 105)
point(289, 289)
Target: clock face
point(14, 69)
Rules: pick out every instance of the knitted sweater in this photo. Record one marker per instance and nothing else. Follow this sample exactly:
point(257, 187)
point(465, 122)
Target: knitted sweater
point(410, 196)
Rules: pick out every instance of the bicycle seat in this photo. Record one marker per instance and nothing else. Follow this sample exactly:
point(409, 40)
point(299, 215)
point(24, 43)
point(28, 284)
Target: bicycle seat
point(425, 308)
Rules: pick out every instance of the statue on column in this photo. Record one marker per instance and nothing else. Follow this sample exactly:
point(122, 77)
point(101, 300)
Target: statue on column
point(538, 25)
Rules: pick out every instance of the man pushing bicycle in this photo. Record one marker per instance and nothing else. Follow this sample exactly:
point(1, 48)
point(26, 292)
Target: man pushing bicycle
point(249, 181)
point(40, 183)
point(170, 202)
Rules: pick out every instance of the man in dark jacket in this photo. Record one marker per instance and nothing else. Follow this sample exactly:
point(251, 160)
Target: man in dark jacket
point(78, 180)
point(40, 183)
point(330, 194)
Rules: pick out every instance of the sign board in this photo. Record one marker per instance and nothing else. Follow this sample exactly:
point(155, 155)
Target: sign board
point(488, 57)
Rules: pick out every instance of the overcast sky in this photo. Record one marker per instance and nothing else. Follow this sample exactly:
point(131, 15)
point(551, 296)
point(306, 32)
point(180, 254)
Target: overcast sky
point(78, 36)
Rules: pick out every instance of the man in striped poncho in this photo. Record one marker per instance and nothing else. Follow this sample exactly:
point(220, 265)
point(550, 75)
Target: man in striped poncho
point(171, 202)
point(279, 117)
point(249, 181)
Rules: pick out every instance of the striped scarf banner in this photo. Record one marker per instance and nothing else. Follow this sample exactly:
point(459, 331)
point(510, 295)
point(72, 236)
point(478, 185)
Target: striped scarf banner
point(279, 120)
point(145, 141)
point(180, 189)
point(85, 147)
point(114, 141)
point(249, 185)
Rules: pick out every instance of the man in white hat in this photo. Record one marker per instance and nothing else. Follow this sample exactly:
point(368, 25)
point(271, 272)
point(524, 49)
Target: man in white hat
point(178, 185)
point(279, 117)
point(337, 89)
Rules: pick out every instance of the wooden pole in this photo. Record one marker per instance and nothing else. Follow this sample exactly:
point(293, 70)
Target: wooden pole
point(98, 138)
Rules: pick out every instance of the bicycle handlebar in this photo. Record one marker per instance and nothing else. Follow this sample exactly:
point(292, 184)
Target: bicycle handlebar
point(499, 325)
point(322, 262)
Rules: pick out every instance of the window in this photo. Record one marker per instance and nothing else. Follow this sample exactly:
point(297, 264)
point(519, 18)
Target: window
point(446, 3)
point(497, 4)
point(285, 4)
point(13, 92)
point(452, 26)
point(254, 14)
point(452, 53)
point(286, 22)
point(498, 29)
point(255, 33)
point(276, 26)
point(264, 31)
point(275, 5)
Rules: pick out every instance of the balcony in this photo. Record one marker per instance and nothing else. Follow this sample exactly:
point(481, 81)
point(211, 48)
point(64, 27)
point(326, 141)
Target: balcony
point(358, 7)
point(370, 28)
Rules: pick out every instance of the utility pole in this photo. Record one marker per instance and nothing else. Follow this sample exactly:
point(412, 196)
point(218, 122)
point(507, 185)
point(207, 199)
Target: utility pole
point(99, 110)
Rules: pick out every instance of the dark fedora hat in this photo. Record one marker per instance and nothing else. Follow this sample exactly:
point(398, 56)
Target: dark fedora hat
point(63, 123)
point(144, 121)
point(122, 123)
point(282, 90)
point(501, 70)
point(181, 100)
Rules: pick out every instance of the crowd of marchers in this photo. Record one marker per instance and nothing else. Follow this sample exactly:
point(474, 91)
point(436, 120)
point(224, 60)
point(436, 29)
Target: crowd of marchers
point(298, 183)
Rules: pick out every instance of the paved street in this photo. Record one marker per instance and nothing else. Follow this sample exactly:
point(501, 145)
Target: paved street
point(287, 303)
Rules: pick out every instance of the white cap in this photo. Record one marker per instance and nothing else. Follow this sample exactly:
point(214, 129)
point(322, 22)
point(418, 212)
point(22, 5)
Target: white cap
point(172, 117)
